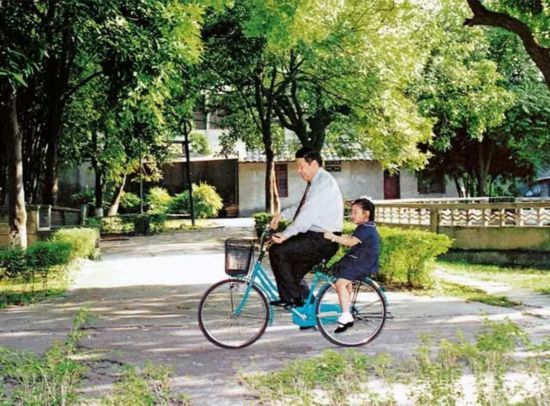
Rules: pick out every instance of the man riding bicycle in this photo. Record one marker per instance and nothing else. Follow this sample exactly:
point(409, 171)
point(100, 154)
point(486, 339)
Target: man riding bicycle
point(302, 245)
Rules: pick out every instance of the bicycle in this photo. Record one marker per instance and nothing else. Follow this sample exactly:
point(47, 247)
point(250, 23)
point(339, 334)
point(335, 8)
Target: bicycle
point(235, 312)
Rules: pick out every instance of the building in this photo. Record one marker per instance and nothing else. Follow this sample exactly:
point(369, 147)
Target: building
point(240, 178)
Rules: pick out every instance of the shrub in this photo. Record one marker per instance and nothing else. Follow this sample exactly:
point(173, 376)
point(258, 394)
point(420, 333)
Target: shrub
point(158, 200)
point(43, 255)
point(129, 201)
point(206, 200)
point(83, 241)
point(145, 224)
point(84, 197)
point(405, 255)
point(12, 263)
point(262, 219)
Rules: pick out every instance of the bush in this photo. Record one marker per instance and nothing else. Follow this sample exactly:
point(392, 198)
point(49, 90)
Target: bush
point(45, 254)
point(405, 255)
point(206, 200)
point(84, 197)
point(262, 219)
point(83, 241)
point(145, 224)
point(158, 200)
point(12, 263)
point(129, 201)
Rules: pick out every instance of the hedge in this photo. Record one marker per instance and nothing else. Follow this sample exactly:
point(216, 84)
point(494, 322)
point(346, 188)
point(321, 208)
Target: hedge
point(44, 256)
point(145, 224)
point(83, 241)
point(405, 254)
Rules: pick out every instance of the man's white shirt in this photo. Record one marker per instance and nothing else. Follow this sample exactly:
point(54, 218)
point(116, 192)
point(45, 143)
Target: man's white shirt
point(323, 209)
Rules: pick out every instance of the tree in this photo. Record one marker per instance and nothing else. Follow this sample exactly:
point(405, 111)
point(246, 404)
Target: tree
point(17, 63)
point(341, 77)
point(491, 111)
point(240, 81)
point(529, 20)
point(132, 110)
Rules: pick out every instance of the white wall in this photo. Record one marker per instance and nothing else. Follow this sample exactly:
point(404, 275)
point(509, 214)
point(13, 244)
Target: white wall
point(409, 187)
point(357, 178)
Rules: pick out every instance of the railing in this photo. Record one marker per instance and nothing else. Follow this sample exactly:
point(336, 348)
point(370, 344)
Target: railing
point(49, 217)
point(449, 212)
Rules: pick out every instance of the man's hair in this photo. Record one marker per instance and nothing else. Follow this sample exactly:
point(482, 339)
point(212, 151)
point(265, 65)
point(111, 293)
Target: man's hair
point(365, 204)
point(309, 155)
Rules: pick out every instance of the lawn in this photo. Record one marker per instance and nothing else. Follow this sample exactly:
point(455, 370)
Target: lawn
point(537, 280)
point(21, 293)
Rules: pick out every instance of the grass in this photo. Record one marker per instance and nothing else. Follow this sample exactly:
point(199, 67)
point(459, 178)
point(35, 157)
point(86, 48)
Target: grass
point(20, 293)
point(470, 294)
point(440, 287)
point(54, 377)
point(535, 280)
point(185, 224)
point(481, 371)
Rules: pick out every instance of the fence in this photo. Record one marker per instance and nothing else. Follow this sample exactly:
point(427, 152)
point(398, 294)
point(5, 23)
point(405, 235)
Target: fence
point(513, 232)
point(43, 219)
point(434, 214)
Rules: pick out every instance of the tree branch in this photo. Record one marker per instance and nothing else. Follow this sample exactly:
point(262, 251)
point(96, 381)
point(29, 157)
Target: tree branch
point(483, 16)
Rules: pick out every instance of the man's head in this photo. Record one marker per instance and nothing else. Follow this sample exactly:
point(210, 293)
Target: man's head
point(308, 162)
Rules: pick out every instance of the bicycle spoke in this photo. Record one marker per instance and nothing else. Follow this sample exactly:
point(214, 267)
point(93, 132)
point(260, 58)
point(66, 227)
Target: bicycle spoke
point(368, 309)
point(233, 314)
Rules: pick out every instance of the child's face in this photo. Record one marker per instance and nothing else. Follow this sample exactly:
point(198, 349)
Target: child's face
point(358, 215)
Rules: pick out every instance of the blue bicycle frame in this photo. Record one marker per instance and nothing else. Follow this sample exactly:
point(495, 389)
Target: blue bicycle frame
point(302, 316)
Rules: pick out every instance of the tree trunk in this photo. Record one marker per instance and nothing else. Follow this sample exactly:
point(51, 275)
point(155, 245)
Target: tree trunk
point(113, 210)
point(17, 213)
point(272, 202)
point(459, 187)
point(98, 191)
point(52, 135)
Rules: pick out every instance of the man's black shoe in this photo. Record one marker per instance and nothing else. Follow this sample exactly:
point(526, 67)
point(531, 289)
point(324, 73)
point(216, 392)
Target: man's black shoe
point(294, 303)
point(303, 328)
point(279, 302)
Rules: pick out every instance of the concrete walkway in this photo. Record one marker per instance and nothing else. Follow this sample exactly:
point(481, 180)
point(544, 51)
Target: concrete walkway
point(145, 291)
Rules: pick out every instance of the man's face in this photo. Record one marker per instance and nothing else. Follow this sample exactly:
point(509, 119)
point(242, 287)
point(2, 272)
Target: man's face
point(305, 170)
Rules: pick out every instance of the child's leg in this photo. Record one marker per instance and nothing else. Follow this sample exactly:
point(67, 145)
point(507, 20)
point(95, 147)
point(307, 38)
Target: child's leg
point(343, 288)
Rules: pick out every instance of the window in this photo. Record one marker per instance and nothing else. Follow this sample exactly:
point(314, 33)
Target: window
point(281, 177)
point(199, 118)
point(333, 166)
point(214, 120)
point(430, 181)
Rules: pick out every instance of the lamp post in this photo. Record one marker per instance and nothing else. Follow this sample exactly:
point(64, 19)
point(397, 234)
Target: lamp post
point(187, 127)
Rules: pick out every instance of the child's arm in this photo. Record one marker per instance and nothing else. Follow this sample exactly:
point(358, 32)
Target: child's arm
point(347, 240)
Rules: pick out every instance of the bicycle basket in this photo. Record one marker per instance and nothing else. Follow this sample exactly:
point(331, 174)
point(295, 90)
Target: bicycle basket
point(238, 255)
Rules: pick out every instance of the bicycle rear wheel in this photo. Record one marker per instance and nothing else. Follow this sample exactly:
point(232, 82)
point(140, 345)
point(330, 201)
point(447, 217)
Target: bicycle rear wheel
point(233, 314)
point(368, 308)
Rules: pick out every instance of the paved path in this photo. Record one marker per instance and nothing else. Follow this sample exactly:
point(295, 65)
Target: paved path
point(145, 293)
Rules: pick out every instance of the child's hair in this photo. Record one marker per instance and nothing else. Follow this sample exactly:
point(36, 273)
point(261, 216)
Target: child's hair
point(365, 204)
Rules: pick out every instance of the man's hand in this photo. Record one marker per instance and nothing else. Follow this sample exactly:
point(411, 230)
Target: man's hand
point(275, 221)
point(329, 235)
point(278, 238)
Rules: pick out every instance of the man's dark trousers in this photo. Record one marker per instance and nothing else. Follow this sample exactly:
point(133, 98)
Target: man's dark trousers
point(295, 257)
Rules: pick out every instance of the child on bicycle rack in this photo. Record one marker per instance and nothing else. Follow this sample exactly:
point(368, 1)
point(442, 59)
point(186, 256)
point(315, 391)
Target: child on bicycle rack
point(360, 261)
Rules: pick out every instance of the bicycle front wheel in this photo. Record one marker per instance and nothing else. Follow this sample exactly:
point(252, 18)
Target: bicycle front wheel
point(368, 308)
point(233, 314)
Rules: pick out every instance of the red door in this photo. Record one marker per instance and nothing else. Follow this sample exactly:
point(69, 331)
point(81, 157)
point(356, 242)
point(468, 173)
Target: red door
point(391, 185)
